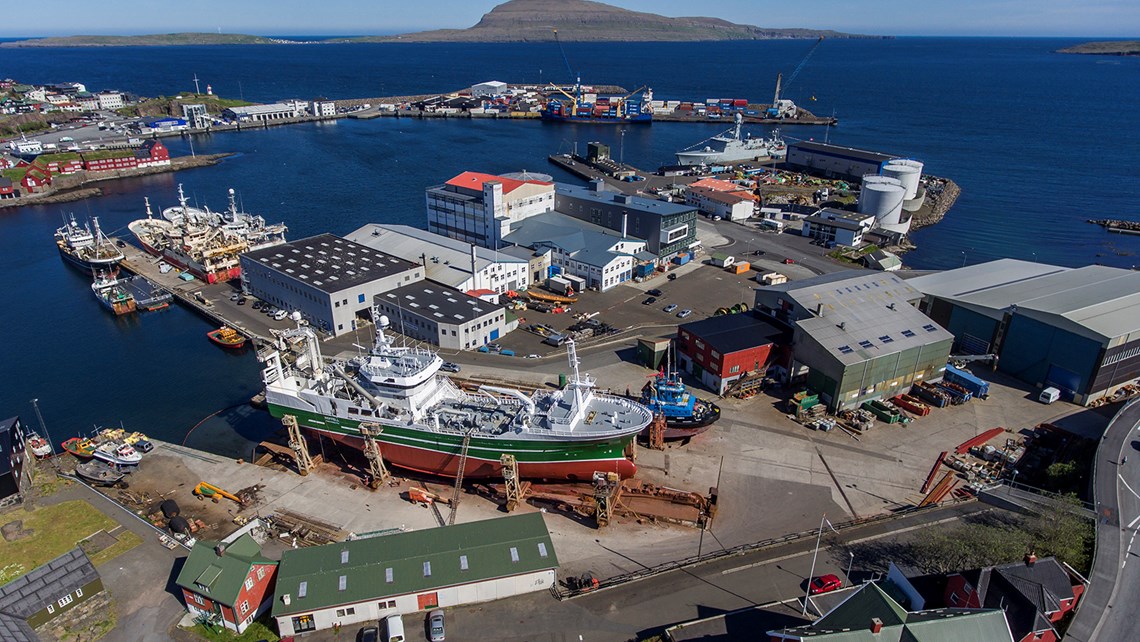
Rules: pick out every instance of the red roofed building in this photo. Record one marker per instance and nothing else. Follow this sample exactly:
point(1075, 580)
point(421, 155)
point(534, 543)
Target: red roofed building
point(7, 190)
point(479, 208)
point(717, 184)
point(36, 179)
point(730, 205)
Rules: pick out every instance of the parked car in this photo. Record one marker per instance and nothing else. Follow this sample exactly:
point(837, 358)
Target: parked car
point(436, 631)
point(449, 367)
point(235, 296)
point(257, 305)
point(788, 261)
point(368, 634)
point(532, 356)
point(649, 301)
point(280, 314)
point(672, 276)
point(394, 627)
point(241, 300)
point(671, 307)
point(684, 313)
point(824, 584)
point(655, 292)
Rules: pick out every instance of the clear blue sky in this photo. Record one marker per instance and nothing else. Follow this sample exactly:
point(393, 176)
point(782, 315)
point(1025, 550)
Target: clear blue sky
point(1091, 18)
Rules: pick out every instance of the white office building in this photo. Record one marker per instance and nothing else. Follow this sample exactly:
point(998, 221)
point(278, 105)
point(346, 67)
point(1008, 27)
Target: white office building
point(480, 208)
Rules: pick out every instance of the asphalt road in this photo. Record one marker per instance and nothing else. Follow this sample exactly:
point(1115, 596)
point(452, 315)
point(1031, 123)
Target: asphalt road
point(1107, 610)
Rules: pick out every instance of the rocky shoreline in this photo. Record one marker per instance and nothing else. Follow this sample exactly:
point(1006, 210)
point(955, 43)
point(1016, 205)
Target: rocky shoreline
point(76, 187)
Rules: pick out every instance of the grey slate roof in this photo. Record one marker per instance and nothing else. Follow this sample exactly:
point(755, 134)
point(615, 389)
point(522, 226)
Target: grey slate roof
point(330, 263)
point(585, 242)
point(843, 152)
point(632, 203)
point(1095, 301)
point(13, 629)
point(730, 333)
point(26, 595)
point(1027, 593)
point(416, 561)
point(864, 314)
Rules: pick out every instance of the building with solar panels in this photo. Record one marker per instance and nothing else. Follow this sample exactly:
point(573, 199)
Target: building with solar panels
point(1075, 329)
point(855, 336)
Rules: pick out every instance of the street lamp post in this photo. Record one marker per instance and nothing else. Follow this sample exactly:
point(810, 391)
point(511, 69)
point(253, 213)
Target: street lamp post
point(850, 563)
point(621, 149)
point(963, 258)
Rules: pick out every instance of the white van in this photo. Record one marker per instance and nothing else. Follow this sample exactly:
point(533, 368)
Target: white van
point(394, 627)
point(1049, 395)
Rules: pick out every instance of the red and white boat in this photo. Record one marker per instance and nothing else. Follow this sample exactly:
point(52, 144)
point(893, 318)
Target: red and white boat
point(204, 243)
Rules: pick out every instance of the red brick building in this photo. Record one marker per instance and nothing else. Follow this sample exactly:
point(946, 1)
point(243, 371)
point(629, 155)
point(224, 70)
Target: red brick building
point(722, 349)
point(230, 583)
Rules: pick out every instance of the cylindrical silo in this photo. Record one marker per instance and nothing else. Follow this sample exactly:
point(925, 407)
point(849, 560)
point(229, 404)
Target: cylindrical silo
point(907, 171)
point(882, 197)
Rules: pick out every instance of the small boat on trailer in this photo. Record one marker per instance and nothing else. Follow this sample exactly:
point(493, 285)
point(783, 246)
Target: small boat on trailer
point(80, 447)
point(99, 473)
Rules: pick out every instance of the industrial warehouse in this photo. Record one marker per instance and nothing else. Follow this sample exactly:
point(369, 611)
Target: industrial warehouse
point(1074, 329)
point(855, 335)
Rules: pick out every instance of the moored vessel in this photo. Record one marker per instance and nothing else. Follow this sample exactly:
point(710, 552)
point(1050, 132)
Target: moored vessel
point(423, 422)
point(227, 337)
point(732, 146)
point(113, 295)
point(38, 445)
point(206, 244)
point(86, 247)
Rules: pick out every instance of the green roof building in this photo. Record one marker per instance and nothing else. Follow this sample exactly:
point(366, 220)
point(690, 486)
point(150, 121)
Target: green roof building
point(369, 579)
point(230, 583)
point(872, 615)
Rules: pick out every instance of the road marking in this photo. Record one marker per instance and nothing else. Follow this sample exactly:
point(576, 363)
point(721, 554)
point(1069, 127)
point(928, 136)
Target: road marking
point(1132, 524)
point(1128, 551)
point(1121, 478)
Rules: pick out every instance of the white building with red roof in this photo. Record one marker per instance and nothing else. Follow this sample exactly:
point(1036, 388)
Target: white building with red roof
point(480, 208)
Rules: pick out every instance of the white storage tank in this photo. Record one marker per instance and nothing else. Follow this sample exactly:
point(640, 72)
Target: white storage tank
point(882, 197)
point(907, 171)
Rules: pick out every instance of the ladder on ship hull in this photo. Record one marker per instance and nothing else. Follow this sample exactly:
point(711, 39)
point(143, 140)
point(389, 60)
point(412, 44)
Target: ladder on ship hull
point(459, 478)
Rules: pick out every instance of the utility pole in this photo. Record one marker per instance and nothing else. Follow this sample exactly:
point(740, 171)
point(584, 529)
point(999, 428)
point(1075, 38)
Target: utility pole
point(197, 88)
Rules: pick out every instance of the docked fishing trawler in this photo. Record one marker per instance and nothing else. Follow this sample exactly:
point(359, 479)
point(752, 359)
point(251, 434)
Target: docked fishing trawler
point(206, 244)
point(429, 425)
point(85, 248)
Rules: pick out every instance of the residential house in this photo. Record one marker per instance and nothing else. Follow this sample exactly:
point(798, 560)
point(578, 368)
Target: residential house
point(230, 583)
point(53, 590)
point(12, 459)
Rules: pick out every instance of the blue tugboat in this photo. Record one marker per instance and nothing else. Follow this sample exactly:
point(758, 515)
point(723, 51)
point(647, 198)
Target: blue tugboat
point(685, 415)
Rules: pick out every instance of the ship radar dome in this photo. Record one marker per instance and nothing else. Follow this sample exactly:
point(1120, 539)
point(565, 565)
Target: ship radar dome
point(384, 322)
point(296, 316)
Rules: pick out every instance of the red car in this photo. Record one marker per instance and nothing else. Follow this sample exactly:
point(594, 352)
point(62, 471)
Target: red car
point(788, 261)
point(824, 584)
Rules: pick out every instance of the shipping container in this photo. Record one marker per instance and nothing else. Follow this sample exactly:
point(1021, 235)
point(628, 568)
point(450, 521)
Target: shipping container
point(740, 268)
point(740, 102)
point(967, 380)
point(681, 259)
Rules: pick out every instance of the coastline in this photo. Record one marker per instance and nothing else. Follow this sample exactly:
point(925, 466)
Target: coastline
point(76, 187)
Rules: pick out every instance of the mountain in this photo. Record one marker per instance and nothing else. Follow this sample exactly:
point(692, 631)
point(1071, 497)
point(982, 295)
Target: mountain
point(583, 20)
point(1105, 47)
point(153, 40)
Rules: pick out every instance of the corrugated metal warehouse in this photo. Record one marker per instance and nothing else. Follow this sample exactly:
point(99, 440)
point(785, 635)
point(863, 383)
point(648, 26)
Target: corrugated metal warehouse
point(856, 335)
point(1075, 329)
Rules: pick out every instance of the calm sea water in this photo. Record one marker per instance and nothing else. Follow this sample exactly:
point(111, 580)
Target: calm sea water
point(1039, 142)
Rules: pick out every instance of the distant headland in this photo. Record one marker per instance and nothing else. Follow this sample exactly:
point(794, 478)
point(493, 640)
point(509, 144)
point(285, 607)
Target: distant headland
point(513, 21)
point(1105, 48)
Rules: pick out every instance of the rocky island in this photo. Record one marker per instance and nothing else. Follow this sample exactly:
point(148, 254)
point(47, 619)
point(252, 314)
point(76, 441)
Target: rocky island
point(1105, 48)
point(583, 20)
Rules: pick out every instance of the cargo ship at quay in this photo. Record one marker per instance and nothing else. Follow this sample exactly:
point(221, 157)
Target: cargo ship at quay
point(204, 243)
point(423, 422)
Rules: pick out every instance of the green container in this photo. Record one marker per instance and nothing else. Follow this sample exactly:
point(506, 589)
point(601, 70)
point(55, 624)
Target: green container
point(561, 380)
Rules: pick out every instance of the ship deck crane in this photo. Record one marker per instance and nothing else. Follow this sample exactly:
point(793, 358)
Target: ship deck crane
point(774, 111)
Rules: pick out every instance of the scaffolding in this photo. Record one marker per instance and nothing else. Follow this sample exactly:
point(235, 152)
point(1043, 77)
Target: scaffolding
point(607, 488)
point(514, 489)
point(657, 432)
point(298, 444)
point(377, 471)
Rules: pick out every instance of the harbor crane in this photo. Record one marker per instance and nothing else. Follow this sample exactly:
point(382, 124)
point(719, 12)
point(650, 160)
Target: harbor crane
point(786, 108)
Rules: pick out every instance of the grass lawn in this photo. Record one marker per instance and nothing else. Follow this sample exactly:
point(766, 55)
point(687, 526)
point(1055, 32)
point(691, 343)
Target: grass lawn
point(56, 530)
point(256, 631)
